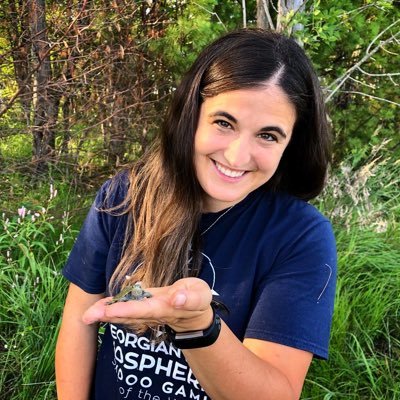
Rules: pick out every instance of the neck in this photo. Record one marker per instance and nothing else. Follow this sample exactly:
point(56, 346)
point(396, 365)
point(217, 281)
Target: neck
point(214, 206)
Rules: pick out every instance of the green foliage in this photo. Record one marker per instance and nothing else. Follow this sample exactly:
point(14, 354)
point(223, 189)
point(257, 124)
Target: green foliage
point(15, 147)
point(192, 31)
point(365, 348)
point(339, 34)
point(33, 247)
point(364, 189)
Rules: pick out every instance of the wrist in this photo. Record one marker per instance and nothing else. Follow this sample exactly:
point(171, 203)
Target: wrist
point(203, 322)
point(196, 338)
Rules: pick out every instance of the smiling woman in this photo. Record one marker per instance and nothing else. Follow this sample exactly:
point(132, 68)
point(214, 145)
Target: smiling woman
point(239, 142)
point(215, 214)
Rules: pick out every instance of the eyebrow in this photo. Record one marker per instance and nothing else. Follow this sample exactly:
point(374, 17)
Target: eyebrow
point(276, 129)
point(231, 118)
point(224, 114)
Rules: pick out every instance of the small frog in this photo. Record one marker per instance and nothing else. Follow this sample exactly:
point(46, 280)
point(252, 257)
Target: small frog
point(130, 292)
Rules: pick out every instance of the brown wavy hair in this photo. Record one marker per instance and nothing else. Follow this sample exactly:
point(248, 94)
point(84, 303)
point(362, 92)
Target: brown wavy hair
point(164, 199)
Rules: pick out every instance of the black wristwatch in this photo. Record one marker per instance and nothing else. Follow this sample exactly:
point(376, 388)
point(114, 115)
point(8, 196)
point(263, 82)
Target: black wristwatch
point(195, 339)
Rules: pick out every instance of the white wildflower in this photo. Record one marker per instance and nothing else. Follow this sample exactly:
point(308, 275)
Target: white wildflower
point(22, 211)
point(53, 192)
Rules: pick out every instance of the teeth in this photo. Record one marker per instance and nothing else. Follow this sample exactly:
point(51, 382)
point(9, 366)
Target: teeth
point(229, 172)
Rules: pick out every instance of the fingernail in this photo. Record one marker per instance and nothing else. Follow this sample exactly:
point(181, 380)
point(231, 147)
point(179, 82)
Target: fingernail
point(180, 300)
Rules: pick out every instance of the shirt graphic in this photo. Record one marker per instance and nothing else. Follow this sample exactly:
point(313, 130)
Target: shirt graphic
point(146, 369)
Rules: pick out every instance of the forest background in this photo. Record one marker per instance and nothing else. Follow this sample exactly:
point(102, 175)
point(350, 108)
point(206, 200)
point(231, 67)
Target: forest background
point(83, 87)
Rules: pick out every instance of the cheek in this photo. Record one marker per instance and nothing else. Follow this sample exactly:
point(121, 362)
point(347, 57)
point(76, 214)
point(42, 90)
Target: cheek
point(200, 153)
point(269, 160)
point(199, 142)
point(204, 144)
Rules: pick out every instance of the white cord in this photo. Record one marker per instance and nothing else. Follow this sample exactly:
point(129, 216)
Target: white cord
point(212, 268)
point(229, 209)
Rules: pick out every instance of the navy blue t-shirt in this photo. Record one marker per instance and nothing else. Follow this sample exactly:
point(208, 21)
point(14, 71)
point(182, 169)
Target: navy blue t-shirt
point(271, 259)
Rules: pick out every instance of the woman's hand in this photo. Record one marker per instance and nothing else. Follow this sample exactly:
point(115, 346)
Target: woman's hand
point(184, 306)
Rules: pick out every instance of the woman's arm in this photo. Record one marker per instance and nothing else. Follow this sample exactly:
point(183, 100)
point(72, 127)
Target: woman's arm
point(76, 347)
point(255, 369)
point(228, 369)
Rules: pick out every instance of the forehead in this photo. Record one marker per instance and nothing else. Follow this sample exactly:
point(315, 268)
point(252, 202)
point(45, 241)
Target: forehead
point(261, 103)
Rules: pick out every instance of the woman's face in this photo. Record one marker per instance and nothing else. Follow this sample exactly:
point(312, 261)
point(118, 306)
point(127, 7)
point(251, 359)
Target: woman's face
point(239, 141)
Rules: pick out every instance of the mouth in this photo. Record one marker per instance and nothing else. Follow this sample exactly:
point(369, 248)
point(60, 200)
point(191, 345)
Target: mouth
point(230, 173)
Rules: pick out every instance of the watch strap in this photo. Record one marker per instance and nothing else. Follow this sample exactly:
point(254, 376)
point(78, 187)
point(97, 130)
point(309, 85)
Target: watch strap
point(195, 339)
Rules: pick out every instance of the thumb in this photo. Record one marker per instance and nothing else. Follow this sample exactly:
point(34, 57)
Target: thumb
point(192, 294)
point(95, 312)
point(179, 299)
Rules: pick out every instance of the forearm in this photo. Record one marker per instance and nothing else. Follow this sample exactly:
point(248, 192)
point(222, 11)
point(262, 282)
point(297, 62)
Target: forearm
point(76, 347)
point(75, 359)
point(228, 370)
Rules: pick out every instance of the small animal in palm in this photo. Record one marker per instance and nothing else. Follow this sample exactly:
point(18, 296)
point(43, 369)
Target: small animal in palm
point(130, 292)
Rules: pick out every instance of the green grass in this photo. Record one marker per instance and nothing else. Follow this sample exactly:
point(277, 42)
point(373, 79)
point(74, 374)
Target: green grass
point(33, 249)
point(365, 347)
point(363, 203)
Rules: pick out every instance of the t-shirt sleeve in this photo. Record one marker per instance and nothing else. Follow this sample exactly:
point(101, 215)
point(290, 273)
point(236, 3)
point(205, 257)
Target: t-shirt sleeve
point(293, 304)
point(87, 262)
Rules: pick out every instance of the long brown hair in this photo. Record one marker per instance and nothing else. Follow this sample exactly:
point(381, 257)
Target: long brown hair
point(163, 202)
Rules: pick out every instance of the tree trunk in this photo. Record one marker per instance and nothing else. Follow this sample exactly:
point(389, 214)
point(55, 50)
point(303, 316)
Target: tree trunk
point(18, 35)
point(281, 9)
point(46, 97)
point(284, 7)
point(264, 19)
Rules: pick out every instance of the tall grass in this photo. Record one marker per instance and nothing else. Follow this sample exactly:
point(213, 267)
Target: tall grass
point(363, 201)
point(364, 204)
point(365, 347)
point(33, 247)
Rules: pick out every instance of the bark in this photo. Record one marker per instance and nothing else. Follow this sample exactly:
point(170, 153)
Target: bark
point(264, 19)
point(67, 79)
point(284, 7)
point(18, 36)
point(46, 96)
point(281, 10)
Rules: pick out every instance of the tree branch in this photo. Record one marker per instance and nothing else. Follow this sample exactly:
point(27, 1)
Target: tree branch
point(244, 13)
point(212, 13)
point(338, 83)
point(388, 74)
point(267, 14)
point(36, 68)
point(371, 96)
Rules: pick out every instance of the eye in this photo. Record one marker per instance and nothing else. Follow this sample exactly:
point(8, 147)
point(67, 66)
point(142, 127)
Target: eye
point(223, 124)
point(268, 137)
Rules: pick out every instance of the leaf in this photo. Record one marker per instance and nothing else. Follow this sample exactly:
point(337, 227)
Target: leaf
point(30, 257)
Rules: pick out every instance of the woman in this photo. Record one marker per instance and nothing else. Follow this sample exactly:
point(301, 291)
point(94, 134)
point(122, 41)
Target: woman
point(217, 209)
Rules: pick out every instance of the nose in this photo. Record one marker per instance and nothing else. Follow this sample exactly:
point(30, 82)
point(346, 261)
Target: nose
point(238, 152)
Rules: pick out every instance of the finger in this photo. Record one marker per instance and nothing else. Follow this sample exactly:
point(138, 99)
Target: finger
point(190, 294)
point(95, 313)
point(156, 310)
point(138, 309)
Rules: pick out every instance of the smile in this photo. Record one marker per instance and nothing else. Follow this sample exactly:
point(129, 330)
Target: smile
point(228, 172)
